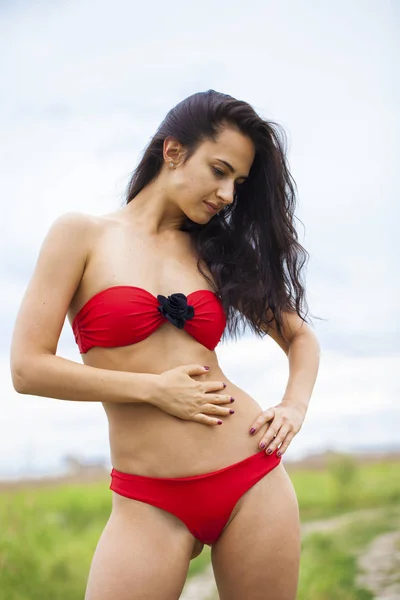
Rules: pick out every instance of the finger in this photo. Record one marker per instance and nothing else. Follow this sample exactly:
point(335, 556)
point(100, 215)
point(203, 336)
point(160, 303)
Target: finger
point(211, 386)
point(205, 420)
point(216, 410)
point(273, 434)
point(272, 444)
point(218, 399)
point(194, 369)
point(285, 444)
point(266, 415)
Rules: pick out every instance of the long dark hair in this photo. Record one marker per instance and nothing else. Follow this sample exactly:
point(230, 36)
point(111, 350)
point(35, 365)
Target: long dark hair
point(251, 246)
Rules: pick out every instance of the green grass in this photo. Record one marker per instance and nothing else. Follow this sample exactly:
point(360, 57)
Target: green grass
point(327, 571)
point(329, 561)
point(198, 564)
point(48, 539)
point(48, 535)
point(345, 486)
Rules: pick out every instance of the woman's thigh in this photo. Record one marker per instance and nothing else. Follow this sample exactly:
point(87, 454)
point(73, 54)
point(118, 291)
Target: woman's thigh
point(143, 554)
point(257, 557)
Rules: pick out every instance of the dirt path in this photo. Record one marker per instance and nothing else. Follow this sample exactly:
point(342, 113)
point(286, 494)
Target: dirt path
point(201, 587)
point(379, 567)
point(327, 525)
point(379, 570)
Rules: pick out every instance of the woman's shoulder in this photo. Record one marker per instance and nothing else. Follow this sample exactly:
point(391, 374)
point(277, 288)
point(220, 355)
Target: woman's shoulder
point(77, 223)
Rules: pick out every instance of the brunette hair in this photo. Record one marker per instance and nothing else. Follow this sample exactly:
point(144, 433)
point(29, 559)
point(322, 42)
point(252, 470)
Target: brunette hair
point(251, 246)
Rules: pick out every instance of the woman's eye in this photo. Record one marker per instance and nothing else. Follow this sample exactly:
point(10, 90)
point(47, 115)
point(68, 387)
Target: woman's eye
point(222, 174)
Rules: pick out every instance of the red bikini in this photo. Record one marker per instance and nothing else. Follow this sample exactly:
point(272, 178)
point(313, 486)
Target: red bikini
point(122, 315)
point(203, 503)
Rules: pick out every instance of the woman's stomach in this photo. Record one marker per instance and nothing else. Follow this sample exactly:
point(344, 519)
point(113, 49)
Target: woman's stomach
point(146, 440)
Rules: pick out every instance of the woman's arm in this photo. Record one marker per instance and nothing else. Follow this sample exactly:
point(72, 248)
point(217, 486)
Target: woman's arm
point(285, 419)
point(303, 351)
point(35, 368)
point(303, 354)
point(55, 377)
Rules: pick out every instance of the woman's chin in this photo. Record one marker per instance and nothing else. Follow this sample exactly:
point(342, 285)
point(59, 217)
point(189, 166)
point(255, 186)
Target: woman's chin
point(199, 219)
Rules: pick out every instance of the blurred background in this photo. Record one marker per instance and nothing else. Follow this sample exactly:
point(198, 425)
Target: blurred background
point(84, 85)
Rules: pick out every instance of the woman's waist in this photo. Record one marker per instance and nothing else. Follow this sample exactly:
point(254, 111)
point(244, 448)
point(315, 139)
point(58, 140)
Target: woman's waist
point(153, 357)
point(147, 441)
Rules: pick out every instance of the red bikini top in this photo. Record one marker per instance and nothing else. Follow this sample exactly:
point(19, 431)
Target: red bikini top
point(122, 315)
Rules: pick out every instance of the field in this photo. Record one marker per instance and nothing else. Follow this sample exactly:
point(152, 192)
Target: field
point(50, 529)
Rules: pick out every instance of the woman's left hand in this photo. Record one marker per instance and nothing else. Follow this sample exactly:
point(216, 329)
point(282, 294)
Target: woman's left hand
point(285, 421)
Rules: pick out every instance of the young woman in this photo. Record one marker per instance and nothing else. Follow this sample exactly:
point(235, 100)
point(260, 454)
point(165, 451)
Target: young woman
point(205, 240)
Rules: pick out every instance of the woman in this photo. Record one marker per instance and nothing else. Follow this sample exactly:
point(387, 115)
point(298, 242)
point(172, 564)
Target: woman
point(205, 240)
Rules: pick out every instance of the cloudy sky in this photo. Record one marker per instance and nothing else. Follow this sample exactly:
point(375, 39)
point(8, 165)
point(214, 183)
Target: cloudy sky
point(83, 88)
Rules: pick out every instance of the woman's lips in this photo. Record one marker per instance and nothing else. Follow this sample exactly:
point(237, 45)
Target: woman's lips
point(210, 208)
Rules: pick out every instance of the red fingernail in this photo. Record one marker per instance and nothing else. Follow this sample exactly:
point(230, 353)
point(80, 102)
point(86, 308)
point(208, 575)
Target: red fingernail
point(219, 422)
point(252, 430)
point(232, 399)
point(207, 368)
point(232, 411)
point(269, 451)
point(279, 453)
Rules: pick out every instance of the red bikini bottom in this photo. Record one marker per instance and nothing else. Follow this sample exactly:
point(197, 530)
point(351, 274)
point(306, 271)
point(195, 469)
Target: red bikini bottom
point(203, 502)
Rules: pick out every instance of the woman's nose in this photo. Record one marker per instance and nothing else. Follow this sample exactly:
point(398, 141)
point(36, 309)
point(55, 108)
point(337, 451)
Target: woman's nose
point(226, 195)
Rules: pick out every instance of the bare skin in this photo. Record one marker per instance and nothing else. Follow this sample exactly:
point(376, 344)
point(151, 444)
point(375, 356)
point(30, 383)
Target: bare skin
point(144, 552)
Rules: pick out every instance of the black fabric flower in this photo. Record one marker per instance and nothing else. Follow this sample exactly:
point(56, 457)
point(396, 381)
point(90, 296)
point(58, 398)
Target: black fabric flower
point(176, 309)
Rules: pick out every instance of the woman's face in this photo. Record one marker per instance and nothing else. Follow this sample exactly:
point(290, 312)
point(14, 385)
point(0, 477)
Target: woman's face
point(205, 178)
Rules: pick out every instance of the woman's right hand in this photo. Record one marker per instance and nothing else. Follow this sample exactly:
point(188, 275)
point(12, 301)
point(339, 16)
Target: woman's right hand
point(188, 399)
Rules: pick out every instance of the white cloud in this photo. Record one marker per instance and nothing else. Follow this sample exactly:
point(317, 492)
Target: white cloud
point(83, 89)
